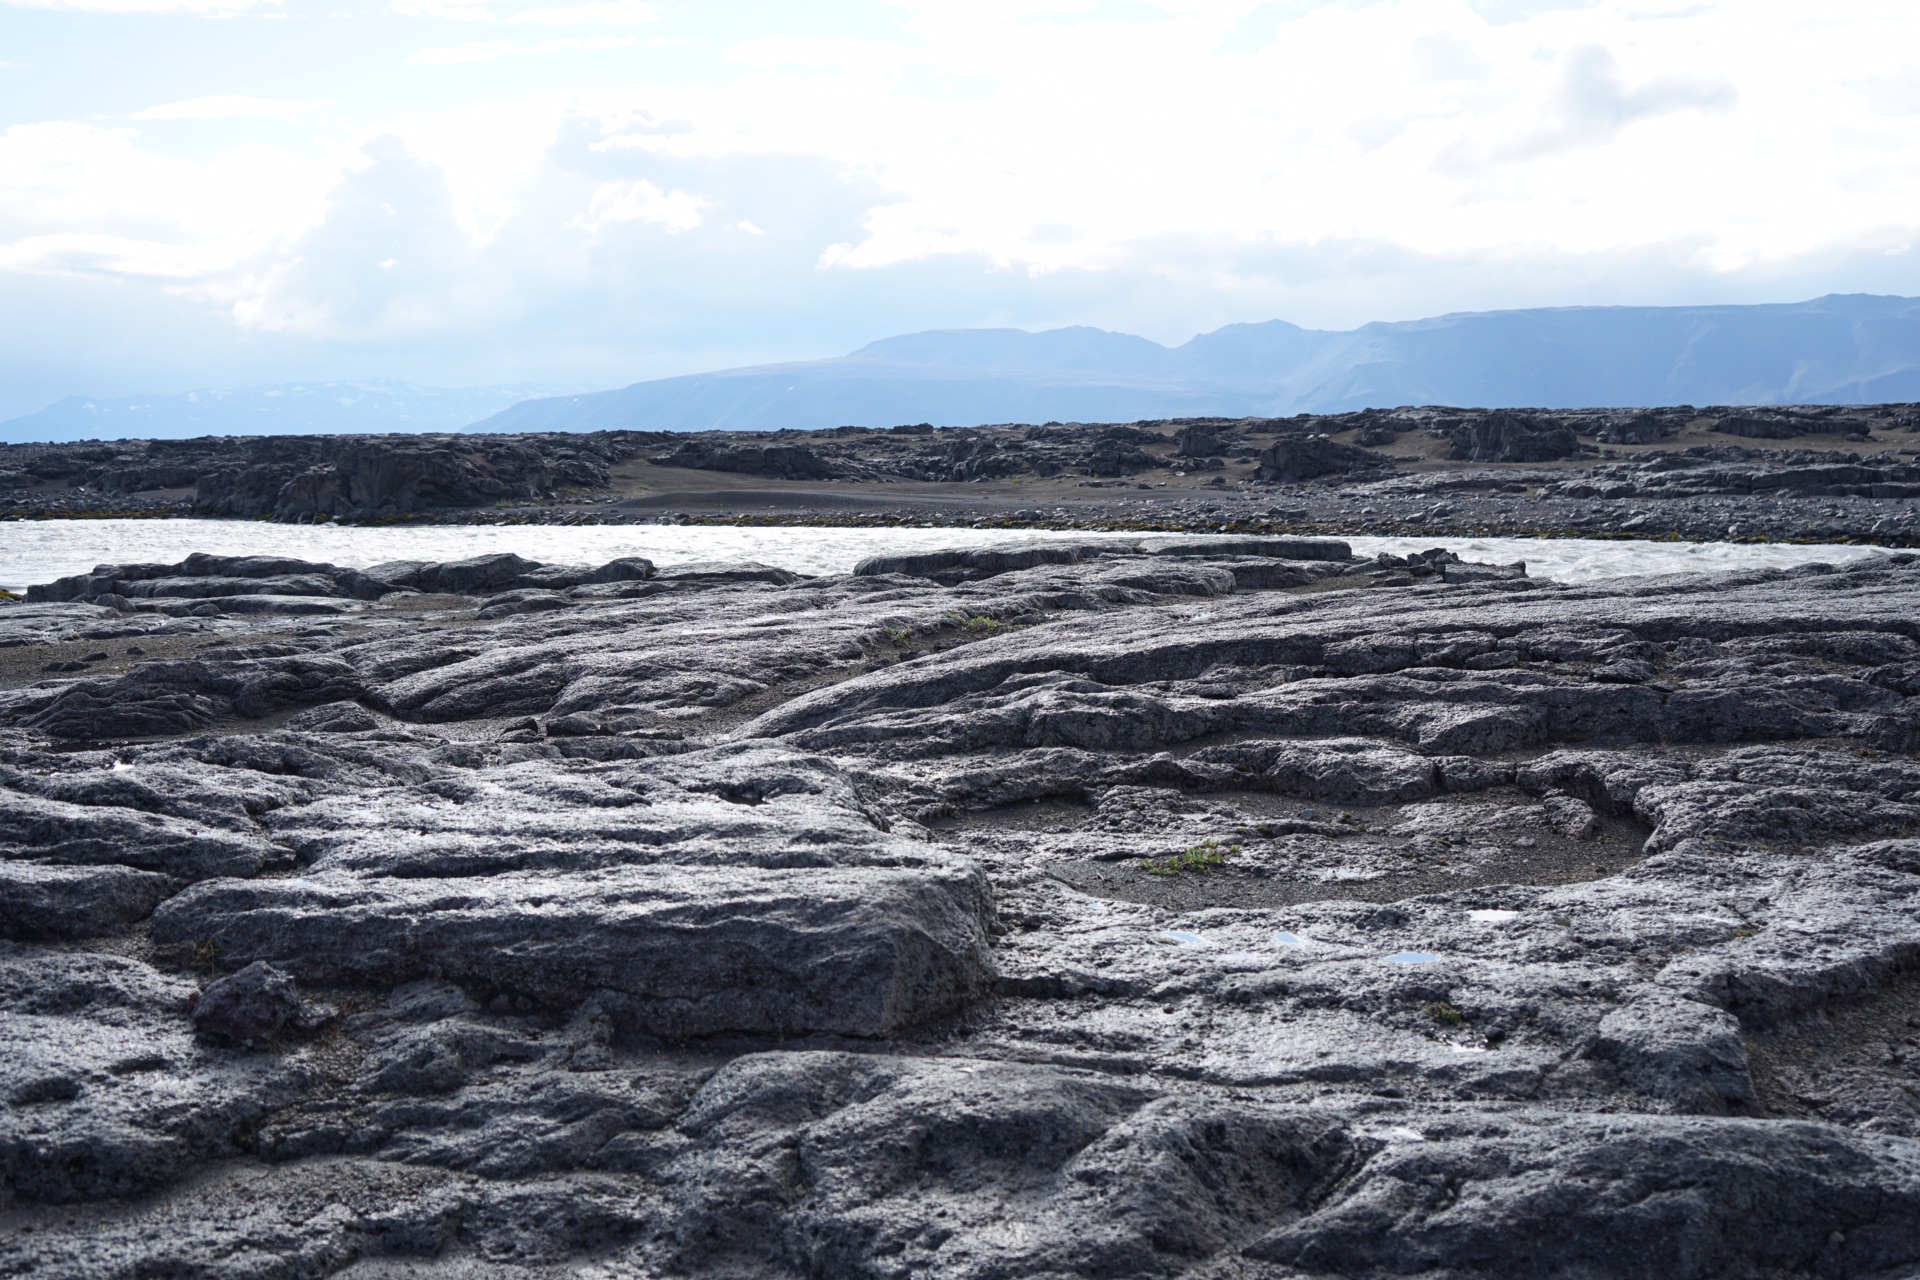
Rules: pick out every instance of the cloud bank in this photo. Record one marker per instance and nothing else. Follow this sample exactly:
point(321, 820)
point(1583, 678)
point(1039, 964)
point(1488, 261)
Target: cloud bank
point(609, 190)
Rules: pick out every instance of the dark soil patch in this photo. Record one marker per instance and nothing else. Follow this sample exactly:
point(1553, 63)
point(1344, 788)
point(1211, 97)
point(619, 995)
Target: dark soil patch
point(1357, 854)
point(1856, 1063)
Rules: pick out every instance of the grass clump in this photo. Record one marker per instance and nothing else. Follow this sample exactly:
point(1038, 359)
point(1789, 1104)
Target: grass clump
point(979, 622)
point(1203, 857)
point(1445, 1014)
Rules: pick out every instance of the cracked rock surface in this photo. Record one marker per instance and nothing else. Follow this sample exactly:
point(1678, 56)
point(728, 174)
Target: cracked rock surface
point(1119, 910)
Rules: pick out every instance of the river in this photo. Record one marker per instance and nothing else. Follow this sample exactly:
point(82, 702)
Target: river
point(42, 550)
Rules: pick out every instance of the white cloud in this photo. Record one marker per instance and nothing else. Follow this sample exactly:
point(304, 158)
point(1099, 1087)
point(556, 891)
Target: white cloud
point(446, 10)
point(642, 201)
point(231, 107)
point(489, 50)
point(593, 13)
point(603, 13)
point(71, 179)
point(1200, 162)
point(386, 258)
point(143, 6)
point(75, 253)
point(1897, 94)
point(1594, 103)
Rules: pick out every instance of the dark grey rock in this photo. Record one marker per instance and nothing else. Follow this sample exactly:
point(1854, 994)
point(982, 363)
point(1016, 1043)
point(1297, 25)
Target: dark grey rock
point(785, 462)
point(673, 955)
point(688, 921)
point(967, 565)
point(1502, 436)
point(333, 717)
point(157, 698)
point(1115, 913)
point(40, 901)
point(1308, 458)
point(478, 575)
point(248, 1006)
point(201, 587)
point(55, 831)
point(720, 572)
point(522, 600)
point(1265, 548)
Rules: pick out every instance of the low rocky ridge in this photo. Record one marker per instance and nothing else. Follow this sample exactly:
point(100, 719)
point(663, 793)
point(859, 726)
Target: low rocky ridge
point(1822, 473)
point(1209, 909)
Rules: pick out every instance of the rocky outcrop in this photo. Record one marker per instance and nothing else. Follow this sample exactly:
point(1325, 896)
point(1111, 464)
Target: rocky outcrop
point(1311, 457)
point(1513, 437)
point(784, 462)
point(263, 584)
point(345, 477)
point(1122, 907)
point(1307, 473)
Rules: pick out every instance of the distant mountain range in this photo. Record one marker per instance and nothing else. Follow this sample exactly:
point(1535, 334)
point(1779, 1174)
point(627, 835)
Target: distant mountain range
point(296, 408)
point(1841, 349)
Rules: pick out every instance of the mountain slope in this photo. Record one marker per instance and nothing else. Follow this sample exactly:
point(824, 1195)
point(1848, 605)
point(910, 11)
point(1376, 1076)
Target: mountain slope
point(1838, 349)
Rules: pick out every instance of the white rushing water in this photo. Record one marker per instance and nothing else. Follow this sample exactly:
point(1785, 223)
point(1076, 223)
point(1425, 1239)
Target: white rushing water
point(1590, 559)
point(42, 550)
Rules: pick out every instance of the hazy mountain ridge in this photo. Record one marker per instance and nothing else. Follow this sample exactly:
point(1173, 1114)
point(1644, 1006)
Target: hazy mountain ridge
point(1839, 349)
point(296, 408)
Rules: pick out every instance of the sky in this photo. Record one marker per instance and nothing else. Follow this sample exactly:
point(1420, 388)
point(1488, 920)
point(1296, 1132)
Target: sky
point(584, 193)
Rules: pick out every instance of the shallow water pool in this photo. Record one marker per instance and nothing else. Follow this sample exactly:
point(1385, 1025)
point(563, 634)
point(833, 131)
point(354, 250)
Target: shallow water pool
point(42, 550)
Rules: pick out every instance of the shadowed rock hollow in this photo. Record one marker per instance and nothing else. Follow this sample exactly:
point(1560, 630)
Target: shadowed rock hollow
point(1212, 908)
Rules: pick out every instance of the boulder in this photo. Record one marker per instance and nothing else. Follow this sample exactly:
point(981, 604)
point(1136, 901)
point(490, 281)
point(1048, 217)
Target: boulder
point(1292, 459)
point(247, 1007)
point(1503, 436)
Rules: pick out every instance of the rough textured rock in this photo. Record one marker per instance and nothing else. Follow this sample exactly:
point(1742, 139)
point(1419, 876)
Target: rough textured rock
point(42, 901)
point(248, 1006)
point(1311, 457)
point(786, 462)
point(1502, 436)
point(1825, 473)
point(234, 583)
point(1125, 909)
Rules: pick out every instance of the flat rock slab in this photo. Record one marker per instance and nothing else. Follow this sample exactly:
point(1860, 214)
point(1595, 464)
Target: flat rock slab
point(672, 952)
point(41, 901)
point(738, 891)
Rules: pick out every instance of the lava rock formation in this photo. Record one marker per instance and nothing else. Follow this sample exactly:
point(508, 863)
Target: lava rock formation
point(1202, 908)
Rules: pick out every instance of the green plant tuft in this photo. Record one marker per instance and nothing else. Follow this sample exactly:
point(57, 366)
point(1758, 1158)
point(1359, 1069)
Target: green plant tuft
point(1203, 857)
point(979, 622)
